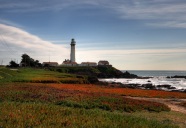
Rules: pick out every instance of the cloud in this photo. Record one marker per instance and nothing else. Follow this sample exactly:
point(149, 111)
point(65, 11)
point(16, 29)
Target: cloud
point(157, 59)
point(168, 24)
point(14, 42)
point(42, 5)
point(157, 13)
point(151, 52)
point(7, 22)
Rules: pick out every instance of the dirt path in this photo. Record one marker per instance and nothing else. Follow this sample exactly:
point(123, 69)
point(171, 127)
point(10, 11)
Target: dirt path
point(172, 103)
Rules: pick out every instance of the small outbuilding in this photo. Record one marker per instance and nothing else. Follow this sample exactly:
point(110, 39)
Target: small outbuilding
point(88, 64)
point(103, 62)
point(69, 63)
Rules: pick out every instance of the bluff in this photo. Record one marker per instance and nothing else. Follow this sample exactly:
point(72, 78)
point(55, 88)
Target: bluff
point(96, 72)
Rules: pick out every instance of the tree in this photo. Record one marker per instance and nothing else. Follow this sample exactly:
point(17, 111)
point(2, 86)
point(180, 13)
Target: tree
point(13, 64)
point(25, 60)
point(37, 64)
point(28, 61)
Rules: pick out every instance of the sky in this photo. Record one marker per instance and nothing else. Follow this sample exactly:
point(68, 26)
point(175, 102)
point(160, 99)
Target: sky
point(130, 34)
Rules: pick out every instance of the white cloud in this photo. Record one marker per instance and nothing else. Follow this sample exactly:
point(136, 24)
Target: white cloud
point(42, 5)
point(154, 12)
point(157, 59)
point(15, 41)
point(152, 52)
point(158, 13)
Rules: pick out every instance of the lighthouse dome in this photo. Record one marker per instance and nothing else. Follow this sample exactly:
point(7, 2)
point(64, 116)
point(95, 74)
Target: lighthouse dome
point(73, 41)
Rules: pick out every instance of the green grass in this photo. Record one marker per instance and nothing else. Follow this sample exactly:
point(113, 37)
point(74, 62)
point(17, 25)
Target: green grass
point(77, 69)
point(27, 100)
point(76, 99)
point(34, 75)
point(13, 114)
point(168, 117)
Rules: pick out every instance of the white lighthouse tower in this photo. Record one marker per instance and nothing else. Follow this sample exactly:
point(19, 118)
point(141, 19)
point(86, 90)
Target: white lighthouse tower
point(72, 54)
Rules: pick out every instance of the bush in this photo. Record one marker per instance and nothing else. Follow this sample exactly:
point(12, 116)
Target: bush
point(93, 79)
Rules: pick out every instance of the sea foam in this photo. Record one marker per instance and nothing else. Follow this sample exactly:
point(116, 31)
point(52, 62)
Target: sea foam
point(178, 83)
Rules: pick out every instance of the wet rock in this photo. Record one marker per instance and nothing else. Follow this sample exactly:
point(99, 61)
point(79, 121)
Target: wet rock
point(184, 91)
point(129, 75)
point(164, 86)
point(148, 86)
point(176, 77)
point(172, 88)
point(140, 77)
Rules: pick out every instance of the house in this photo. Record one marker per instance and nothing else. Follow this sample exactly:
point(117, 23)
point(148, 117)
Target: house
point(69, 63)
point(103, 62)
point(88, 64)
point(52, 64)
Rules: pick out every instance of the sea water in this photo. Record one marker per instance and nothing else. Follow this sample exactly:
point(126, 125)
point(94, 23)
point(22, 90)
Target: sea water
point(158, 78)
point(156, 73)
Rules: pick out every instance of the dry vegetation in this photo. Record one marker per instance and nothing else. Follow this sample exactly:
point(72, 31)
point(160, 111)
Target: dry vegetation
point(37, 98)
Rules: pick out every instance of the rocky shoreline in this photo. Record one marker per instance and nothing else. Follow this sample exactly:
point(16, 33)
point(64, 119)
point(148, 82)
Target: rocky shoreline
point(94, 74)
point(143, 86)
point(148, 85)
point(176, 77)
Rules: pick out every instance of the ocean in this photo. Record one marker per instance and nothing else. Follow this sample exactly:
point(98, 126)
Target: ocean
point(156, 73)
point(159, 78)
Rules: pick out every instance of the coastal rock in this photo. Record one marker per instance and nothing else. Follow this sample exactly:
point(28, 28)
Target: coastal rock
point(134, 86)
point(172, 87)
point(176, 76)
point(164, 86)
point(140, 77)
point(129, 75)
point(148, 86)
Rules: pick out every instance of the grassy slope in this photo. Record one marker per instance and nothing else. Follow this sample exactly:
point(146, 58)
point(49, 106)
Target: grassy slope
point(98, 71)
point(46, 115)
point(167, 117)
point(59, 105)
point(38, 76)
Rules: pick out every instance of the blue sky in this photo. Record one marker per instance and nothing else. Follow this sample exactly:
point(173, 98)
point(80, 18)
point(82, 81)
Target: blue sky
point(130, 34)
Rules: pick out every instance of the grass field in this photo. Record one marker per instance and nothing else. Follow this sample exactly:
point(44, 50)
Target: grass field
point(38, 98)
point(15, 114)
point(35, 75)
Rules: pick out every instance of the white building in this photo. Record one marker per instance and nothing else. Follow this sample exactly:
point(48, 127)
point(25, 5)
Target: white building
point(72, 54)
point(69, 63)
point(88, 64)
point(72, 61)
point(103, 62)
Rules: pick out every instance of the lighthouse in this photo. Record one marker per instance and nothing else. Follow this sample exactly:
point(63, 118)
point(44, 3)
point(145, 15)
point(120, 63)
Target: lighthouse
point(72, 54)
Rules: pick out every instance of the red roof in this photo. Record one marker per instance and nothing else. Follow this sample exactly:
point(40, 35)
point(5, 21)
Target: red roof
point(103, 62)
